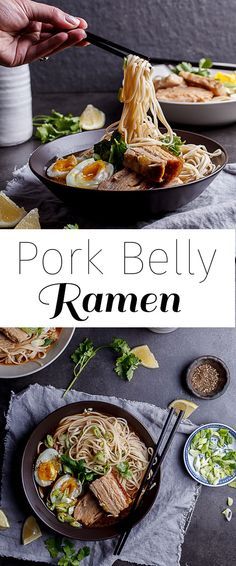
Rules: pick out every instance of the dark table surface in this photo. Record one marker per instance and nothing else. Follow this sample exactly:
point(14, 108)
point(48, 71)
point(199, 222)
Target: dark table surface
point(210, 540)
point(11, 157)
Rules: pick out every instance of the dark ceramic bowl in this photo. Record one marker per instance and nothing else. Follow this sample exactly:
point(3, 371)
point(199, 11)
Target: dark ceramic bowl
point(216, 363)
point(115, 205)
point(48, 425)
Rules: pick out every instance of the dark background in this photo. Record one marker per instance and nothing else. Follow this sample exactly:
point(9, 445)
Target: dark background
point(177, 28)
point(210, 540)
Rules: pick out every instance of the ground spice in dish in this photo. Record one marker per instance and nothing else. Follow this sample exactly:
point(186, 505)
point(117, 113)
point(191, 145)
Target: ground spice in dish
point(207, 380)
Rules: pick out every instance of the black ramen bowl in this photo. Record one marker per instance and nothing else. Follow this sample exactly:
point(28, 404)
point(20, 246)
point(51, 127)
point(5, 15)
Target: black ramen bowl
point(48, 425)
point(115, 205)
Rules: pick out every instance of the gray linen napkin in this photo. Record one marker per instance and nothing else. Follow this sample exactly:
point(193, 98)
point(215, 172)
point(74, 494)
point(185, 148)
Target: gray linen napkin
point(157, 540)
point(214, 208)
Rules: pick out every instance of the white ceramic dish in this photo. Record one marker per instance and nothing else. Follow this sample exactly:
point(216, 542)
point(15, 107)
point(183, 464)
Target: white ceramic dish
point(197, 113)
point(22, 370)
point(188, 458)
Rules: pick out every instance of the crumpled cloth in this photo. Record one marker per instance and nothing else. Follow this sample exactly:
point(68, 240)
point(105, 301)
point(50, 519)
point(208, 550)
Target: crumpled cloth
point(214, 208)
point(157, 540)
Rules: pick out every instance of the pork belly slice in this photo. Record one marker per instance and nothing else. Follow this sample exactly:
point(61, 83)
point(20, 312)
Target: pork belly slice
point(209, 83)
point(157, 165)
point(124, 181)
point(168, 81)
point(111, 495)
point(14, 334)
point(87, 510)
point(185, 94)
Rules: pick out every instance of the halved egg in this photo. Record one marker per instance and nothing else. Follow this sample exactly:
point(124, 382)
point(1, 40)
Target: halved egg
point(47, 467)
point(65, 490)
point(89, 174)
point(62, 166)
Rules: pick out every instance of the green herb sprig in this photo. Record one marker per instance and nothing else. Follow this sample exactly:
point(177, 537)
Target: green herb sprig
point(111, 150)
point(125, 365)
point(203, 67)
point(66, 548)
point(54, 126)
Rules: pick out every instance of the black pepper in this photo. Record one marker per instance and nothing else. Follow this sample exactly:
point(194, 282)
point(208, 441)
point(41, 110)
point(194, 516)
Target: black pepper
point(207, 380)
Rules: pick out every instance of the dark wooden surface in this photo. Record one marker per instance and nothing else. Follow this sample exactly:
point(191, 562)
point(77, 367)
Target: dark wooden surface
point(210, 540)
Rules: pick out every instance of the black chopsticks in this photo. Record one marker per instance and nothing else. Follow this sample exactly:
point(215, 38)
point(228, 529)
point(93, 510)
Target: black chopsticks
point(112, 47)
point(149, 479)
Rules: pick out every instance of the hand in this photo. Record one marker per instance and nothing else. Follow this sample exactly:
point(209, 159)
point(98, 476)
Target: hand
point(31, 30)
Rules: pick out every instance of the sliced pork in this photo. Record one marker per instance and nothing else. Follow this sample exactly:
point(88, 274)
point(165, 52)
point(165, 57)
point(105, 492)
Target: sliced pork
point(185, 94)
point(124, 181)
point(169, 81)
point(111, 495)
point(87, 510)
point(153, 162)
point(14, 334)
point(209, 83)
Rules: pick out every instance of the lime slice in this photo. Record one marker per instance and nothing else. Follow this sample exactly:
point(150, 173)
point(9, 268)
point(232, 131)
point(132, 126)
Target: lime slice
point(92, 118)
point(30, 531)
point(10, 213)
point(30, 221)
point(146, 357)
point(182, 405)
point(4, 523)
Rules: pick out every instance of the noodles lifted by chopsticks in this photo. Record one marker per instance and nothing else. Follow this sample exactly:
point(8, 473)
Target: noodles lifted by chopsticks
point(136, 125)
point(103, 442)
point(142, 114)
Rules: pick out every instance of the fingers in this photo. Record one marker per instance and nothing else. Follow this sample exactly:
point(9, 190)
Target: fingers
point(54, 44)
point(54, 16)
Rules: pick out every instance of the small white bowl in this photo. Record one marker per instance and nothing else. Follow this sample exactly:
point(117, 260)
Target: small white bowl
point(188, 458)
point(28, 368)
point(215, 113)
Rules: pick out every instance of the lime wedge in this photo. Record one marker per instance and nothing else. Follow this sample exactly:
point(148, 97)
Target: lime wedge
point(30, 531)
point(183, 405)
point(4, 523)
point(146, 357)
point(92, 118)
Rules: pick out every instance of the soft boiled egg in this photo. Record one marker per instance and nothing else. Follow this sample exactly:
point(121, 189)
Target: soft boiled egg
point(89, 174)
point(65, 490)
point(47, 467)
point(62, 166)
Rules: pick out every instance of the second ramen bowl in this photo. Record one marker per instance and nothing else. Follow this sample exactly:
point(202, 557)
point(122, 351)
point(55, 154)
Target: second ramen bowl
point(125, 206)
point(49, 425)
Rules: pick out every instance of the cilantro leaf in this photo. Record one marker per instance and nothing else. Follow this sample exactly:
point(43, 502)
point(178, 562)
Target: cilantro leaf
point(54, 546)
point(53, 126)
point(83, 552)
point(203, 67)
point(120, 346)
point(126, 364)
point(175, 146)
point(83, 353)
point(72, 227)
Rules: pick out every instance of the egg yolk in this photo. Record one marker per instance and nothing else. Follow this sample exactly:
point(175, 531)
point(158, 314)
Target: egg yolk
point(47, 471)
point(69, 484)
point(91, 171)
point(65, 164)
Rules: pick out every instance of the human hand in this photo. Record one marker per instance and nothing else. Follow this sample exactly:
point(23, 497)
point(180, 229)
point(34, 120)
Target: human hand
point(31, 30)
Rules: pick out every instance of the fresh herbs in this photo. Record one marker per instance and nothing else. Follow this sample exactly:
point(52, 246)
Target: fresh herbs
point(124, 471)
point(81, 356)
point(78, 468)
point(72, 227)
point(125, 365)
point(127, 362)
point(69, 556)
point(111, 150)
point(56, 125)
point(203, 68)
point(176, 145)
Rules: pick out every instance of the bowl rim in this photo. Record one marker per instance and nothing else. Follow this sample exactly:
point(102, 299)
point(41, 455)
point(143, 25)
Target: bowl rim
point(46, 364)
point(197, 104)
point(186, 457)
point(202, 140)
point(28, 482)
point(196, 363)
